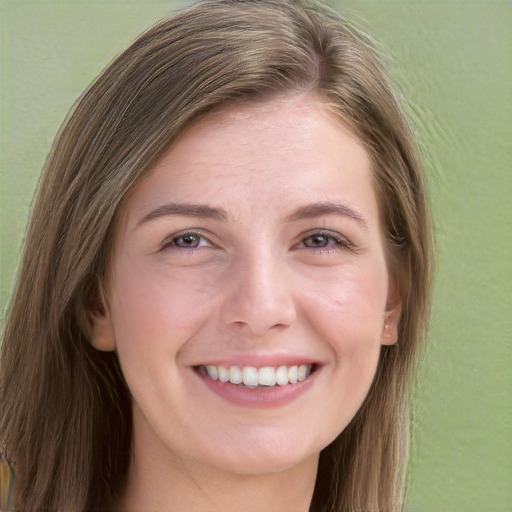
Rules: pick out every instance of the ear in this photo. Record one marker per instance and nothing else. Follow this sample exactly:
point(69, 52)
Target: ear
point(392, 314)
point(102, 330)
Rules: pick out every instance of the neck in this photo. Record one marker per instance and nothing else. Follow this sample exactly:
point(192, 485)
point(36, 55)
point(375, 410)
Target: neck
point(186, 486)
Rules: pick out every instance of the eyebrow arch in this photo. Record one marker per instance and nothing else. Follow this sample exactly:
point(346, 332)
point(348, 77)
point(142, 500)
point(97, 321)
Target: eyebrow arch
point(187, 209)
point(311, 211)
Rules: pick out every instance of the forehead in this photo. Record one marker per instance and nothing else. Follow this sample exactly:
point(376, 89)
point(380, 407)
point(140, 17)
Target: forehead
point(294, 118)
point(275, 152)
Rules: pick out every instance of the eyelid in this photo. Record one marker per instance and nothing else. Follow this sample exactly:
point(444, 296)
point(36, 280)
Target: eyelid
point(341, 240)
point(167, 242)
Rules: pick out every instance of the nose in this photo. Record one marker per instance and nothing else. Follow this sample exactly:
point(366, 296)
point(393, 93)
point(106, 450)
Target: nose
point(259, 297)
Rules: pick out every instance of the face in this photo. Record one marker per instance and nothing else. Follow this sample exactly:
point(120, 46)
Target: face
point(249, 295)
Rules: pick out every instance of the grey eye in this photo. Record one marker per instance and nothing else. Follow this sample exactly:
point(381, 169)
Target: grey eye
point(188, 241)
point(319, 240)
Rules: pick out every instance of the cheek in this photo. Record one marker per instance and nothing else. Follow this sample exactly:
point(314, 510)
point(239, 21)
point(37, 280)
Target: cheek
point(349, 307)
point(160, 307)
point(346, 313)
point(155, 312)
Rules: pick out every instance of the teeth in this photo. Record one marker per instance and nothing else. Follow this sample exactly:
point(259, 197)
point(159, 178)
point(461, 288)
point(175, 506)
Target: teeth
point(266, 376)
point(235, 375)
point(213, 373)
point(303, 372)
point(223, 373)
point(250, 376)
point(282, 376)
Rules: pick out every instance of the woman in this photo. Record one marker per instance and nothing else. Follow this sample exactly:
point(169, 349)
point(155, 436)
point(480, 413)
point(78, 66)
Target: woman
point(226, 278)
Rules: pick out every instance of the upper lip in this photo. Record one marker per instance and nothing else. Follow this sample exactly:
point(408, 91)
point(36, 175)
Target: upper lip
point(260, 360)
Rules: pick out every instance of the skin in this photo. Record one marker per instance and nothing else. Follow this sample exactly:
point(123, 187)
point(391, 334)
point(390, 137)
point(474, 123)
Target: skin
point(261, 282)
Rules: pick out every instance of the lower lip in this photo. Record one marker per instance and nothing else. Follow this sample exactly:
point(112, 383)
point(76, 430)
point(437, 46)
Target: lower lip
point(277, 396)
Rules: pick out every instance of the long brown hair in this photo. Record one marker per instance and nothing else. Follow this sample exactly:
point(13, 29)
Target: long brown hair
point(65, 417)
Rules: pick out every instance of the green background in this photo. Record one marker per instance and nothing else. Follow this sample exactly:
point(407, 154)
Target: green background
point(454, 62)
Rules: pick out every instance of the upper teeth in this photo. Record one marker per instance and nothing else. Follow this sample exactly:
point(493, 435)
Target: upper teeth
point(264, 376)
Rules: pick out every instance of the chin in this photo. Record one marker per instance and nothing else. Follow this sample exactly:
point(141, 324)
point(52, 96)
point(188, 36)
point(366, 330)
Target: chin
point(272, 454)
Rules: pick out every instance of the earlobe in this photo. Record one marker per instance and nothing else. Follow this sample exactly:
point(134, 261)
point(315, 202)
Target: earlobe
point(392, 315)
point(102, 331)
point(389, 334)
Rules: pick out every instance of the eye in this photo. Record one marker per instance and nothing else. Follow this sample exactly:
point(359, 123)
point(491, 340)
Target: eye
point(324, 240)
point(188, 240)
point(318, 240)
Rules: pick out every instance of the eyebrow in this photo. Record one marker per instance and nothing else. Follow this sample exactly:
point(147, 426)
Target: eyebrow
point(187, 209)
point(309, 211)
point(312, 211)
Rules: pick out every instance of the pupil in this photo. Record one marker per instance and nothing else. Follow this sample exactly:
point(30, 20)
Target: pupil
point(188, 240)
point(319, 240)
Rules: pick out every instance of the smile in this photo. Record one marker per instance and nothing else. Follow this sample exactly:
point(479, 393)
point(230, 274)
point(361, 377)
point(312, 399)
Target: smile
point(258, 378)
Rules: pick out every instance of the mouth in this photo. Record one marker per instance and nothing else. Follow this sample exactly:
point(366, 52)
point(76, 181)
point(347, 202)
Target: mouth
point(252, 377)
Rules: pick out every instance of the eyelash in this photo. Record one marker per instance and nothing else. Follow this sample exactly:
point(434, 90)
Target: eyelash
point(339, 241)
point(171, 241)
